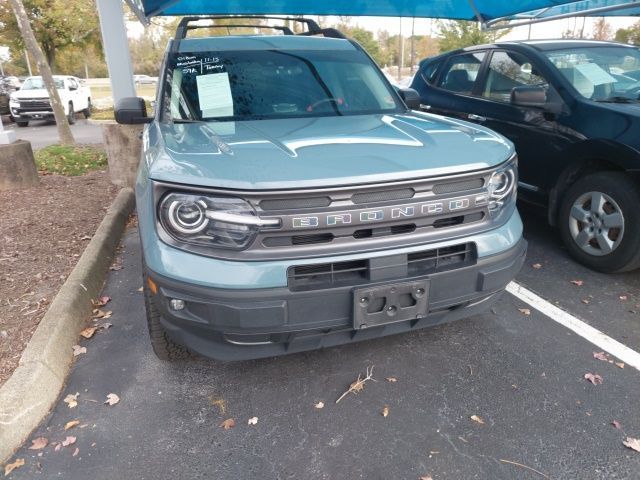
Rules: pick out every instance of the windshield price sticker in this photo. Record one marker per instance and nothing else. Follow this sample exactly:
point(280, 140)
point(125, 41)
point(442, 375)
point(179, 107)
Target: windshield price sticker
point(214, 95)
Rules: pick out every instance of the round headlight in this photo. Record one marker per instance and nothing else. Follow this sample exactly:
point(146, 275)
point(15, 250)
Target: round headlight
point(188, 217)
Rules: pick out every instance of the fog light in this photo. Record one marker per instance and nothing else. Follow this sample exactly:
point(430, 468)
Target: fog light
point(176, 304)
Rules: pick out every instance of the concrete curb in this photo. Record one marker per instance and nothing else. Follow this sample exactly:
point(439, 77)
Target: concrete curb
point(33, 388)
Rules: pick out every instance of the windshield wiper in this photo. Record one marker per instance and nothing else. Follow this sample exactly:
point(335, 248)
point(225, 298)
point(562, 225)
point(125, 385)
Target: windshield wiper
point(186, 120)
point(617, 99)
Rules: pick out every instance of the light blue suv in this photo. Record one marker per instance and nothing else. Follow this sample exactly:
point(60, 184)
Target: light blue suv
point(290, 199)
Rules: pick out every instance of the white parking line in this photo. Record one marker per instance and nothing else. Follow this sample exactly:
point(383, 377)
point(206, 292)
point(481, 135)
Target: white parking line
point(595, 336)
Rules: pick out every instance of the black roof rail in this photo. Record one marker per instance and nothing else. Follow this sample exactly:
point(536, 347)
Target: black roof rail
point(183, 26)
point(283, 29)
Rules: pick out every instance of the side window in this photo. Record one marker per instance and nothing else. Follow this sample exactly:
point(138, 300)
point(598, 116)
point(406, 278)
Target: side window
point(460, 73)
point(72, 84)
point(506, 71)
point(428, 72)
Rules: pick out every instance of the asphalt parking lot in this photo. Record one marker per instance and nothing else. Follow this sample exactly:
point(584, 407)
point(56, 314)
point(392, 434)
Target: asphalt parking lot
point(42, 133)
point(522, 375)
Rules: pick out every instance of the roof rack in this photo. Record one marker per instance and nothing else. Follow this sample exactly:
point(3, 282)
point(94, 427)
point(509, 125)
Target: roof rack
point(283, 29)
point(312, 27)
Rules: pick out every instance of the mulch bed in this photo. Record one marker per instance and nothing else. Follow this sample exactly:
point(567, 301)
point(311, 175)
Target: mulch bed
point(43, 232)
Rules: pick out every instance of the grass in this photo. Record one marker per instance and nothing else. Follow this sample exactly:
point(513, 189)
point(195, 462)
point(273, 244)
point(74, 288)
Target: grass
point(70, 160)
point(99, 92)
point(102, 114)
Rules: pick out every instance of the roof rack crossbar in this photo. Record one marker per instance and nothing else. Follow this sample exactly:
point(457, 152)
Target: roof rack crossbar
point(183, 26)
point(283, 29)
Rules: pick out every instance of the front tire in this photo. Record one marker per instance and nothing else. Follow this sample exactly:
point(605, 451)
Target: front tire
point(87, 111)
point(71, 116)
point(163, 346)
point(600, 223)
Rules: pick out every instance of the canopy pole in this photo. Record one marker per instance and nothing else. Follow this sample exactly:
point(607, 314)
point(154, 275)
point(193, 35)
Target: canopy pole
point(477, 13)
point(491, 24)
point(116, 48)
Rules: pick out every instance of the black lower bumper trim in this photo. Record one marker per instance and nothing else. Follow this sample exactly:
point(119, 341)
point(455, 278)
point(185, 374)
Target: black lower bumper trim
point(244, 324)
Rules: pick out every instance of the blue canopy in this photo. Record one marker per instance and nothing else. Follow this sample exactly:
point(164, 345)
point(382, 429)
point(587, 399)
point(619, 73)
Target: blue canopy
point(483, 10)
point(600, 8)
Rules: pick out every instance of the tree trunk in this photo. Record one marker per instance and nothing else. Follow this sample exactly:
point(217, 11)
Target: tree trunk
point(64, 131)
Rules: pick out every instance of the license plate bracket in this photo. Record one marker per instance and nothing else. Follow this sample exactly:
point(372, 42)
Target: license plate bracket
point(389, 303)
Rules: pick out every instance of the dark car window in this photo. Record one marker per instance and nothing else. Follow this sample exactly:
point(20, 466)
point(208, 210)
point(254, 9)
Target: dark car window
point(508, 70)
point(461, 72)
point(428, 72)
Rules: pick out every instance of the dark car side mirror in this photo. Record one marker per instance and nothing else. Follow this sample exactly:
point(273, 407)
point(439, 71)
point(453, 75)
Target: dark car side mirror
point(529, 96)
point(131, 111)
point(411, 98)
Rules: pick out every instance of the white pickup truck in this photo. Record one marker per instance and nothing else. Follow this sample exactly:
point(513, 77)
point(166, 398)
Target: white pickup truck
point(31, 102)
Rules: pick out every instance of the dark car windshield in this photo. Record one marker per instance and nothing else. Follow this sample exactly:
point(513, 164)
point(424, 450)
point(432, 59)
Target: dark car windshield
point(252, 85)
point(36, 83)
point(602, 73)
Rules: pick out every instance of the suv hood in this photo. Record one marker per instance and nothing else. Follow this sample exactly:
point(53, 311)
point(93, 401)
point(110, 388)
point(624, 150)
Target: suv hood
point(33, 93)
point(319, 152)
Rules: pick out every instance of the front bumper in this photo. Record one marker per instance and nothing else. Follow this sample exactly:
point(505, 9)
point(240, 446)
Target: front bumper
point(239, 324)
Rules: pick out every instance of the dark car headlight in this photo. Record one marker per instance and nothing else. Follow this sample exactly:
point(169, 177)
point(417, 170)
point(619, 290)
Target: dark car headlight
point(502, 186)
point(217, 222)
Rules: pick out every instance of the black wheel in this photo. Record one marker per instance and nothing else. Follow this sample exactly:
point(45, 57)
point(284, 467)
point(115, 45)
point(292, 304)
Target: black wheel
point(71, 116)
point(600, 224)
point(87, 111)
point(22, 124)
point(163, 346)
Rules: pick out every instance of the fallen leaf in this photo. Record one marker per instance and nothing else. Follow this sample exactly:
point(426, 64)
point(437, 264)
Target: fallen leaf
point(78, 350)
point(624, 298)
point(228, 423)
point(385, 411)
point(537, 266)
point(58, 447)
point(102, 301)
point(319, 405)
point(107, 314)
point(70, 440)
point(477, 419)
point(586, 301)
point(71, 424)
point(601, 356)
point(10, 467)
point(141, 289)
point(112, 399)
point(38, 443)
point(524, 311)
point(577, 282)
point(616, 424)
point(88, 332)
point(593, 378)
point(426, 477)
point(97, 313)
point(75, 452)
point(391, 379)
point(619, 364)
point(252, 421)
point(71, 400)
point(632, 443)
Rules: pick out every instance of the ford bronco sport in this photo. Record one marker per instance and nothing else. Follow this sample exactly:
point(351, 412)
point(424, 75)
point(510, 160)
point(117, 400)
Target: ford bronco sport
point(290, 199)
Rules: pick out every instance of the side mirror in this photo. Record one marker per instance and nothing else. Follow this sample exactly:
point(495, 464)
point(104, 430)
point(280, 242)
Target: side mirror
point(131, 111)
point(526, 96)
point(411, 98)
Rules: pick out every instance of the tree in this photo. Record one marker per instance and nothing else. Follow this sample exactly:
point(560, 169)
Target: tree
point(456, 34)
point(629, 35)
point(602, 30)
point(64, 131)
point(57, 24)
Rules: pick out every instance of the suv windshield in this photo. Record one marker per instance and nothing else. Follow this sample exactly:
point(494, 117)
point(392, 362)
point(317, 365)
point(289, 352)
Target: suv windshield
point(252, 85)
point(36, 83)
point(608, 74)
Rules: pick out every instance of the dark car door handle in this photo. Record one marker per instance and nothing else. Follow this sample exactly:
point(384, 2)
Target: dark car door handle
point(476, 118)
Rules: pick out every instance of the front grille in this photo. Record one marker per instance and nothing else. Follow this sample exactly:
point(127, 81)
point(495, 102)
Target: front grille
point(456, 187)
point(383, 196)
point(351, 273)
point(294, 203)
point(35, 104)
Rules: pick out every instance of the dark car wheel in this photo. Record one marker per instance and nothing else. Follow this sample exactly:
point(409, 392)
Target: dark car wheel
point(71, 116)
point(87, 111)
point(600, 223)
point(163, 346)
